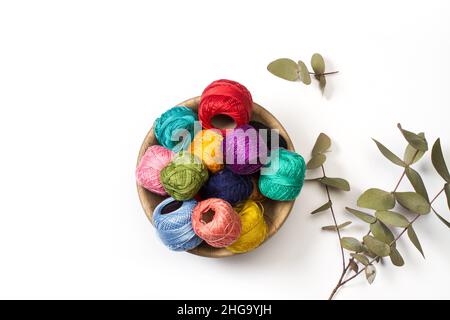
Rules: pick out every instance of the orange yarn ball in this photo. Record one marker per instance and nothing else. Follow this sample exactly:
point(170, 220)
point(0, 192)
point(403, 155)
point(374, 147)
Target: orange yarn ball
point(215, 221)
point(207, 145)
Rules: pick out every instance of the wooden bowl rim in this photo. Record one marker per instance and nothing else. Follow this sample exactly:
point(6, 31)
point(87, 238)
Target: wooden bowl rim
point(205, 250)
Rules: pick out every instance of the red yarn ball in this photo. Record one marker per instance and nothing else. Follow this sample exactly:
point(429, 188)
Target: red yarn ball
point(215, 221)
point(225, 97)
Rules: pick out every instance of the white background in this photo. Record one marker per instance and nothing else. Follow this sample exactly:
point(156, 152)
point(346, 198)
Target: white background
point(82, 81)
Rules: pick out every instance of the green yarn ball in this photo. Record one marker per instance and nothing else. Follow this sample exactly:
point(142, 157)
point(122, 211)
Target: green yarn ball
point(184, 176)
point(286, 183)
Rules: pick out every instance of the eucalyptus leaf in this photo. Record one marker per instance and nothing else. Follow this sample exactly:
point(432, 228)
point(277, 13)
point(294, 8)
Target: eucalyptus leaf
point(442, 219)
point(323, 143)
point(378, 247)
point(389, 154)
point(322, 208)
point(413, 201)
point(415, 241)
point(382, 233)
point(447, 193)
point(368, 253)
point(337, 183)
point(322, 83)
point(376, 199)
point(316, 161)
point(339, 227)
point(416, 141)
point(305, 77)
point(396, 258)
point(362, 215)
point(392, 219)
point(317, 63)
point(439, 162)
point(353, 266)
point(284, 68)
point(360, 258)
point(371, 273)
point(351, 244)
point(412, 155)
point(416, 181)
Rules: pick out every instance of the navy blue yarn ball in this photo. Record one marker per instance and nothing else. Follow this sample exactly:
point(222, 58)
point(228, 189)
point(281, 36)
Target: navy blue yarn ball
point(228, 186)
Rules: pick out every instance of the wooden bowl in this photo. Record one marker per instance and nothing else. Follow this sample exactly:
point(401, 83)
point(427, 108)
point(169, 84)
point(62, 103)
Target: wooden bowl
point(275, 212)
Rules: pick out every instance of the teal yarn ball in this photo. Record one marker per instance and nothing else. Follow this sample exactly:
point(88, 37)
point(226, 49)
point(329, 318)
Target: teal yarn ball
point(285, 183)
point(174, 129)
point(184, 176)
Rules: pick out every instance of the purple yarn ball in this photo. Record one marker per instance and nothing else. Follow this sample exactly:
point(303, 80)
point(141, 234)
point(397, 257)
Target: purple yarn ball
point(242, 149)
point(228, 186)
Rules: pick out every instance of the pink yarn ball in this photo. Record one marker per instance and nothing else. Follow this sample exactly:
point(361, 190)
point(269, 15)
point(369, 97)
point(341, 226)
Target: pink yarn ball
point(215, 221)
point(149, 168)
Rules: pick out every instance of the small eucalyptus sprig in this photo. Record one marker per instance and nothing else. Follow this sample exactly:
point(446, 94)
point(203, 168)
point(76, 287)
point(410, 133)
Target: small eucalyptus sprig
point(318, 158)
point(380, 242)
point(288, 69)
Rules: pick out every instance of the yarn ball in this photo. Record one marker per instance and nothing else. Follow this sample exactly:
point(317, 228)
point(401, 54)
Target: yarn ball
point(256, 194)
point(254, 227)
point(173, 222)
point(184, 176)
point(228, 98)
point(228, 186)
point(207, 145)
point(242, 148)
point(261, 126)
point(150, 166)
point(284, 184)
point(174, 129)
point(215, 221)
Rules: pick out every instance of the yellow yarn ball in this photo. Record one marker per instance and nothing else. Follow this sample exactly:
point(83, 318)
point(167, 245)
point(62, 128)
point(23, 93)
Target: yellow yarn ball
point(207, 145)
point(254, 227)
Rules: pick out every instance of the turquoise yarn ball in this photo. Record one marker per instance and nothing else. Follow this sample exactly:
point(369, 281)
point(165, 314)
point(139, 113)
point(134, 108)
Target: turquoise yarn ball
point(286, 183)
point(174, 125)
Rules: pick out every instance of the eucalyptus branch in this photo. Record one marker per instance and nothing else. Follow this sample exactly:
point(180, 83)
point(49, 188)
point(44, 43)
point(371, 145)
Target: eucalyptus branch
point(394, 241)
point(342, 282)
point(379, 241)
point(334, 220)
point(290, 70)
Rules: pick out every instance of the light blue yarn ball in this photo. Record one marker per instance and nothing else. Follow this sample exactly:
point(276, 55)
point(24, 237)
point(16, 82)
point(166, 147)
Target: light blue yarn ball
point(175, 227)
point(172, 122)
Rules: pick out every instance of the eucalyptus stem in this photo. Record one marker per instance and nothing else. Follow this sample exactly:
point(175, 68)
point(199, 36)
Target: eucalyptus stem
point(335, 222)
point(399, 181)
point(439, 193)
point(323, 74)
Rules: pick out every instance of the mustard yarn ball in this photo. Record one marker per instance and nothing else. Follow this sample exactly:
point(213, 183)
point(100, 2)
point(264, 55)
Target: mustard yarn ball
point(184, 176)
point(254, 227)
point(207, 145)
